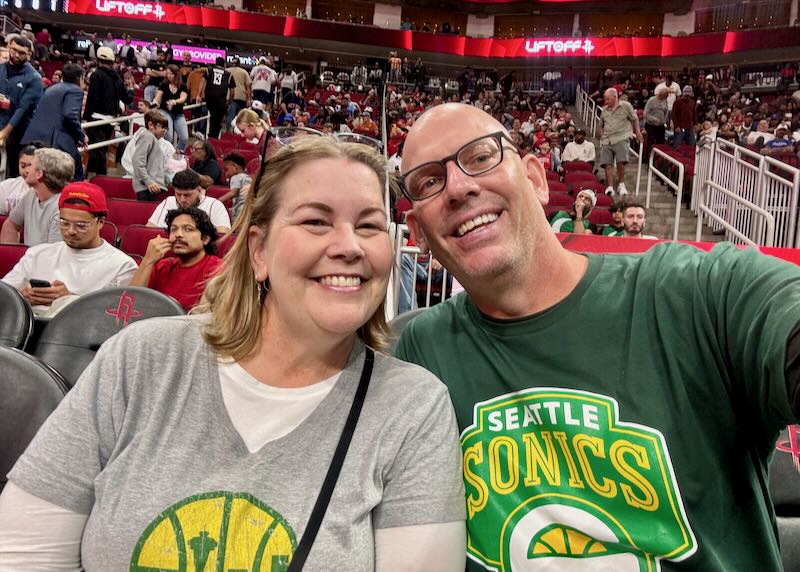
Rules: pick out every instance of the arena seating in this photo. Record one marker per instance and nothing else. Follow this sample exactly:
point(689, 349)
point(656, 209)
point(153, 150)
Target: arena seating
point(115, 187)
point(124, 212)
point(784, 486)
point(10, 253)
point(136, 236)
point(108, 232)
point(16, 318)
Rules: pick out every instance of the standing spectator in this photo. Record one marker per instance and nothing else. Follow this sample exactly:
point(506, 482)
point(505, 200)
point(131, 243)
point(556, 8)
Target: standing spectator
point(684, 118)
point(111, 43)
point(20, 92)
point(156, 72)
point(194, 82)
point(192, 241)
point(242, 95)
point(673, 92)
point(204, 163)
point(216, 89)
point(105, 98)
point(127, 53)
point(187, 67)
point(618, 122)
point(43, 41)
point(376, 74)
point(142, 57)
point(358, 77)
point(82, 263)
point(27, 32)
point(57, 120)
point(263, 78)
point(50, 172)
point(655, 119)
point(288, 81)
point(395, 67)
point(189, 193)
point(12, 190)
point(147, 163)
point(170, 97)
point(579, 150)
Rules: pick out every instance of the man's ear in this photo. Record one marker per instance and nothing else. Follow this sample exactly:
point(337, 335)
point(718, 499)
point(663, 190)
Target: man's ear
point(255, 245)
point(416, 232)
point(535, 173)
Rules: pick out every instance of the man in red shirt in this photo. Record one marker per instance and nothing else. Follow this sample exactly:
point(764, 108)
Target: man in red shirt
point(192, 241)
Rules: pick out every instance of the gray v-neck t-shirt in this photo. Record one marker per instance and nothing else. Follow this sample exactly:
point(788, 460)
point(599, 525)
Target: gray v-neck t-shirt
point(144, 445)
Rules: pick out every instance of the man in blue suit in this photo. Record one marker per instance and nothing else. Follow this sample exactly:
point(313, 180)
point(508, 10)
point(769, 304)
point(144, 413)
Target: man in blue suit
point(57, 121)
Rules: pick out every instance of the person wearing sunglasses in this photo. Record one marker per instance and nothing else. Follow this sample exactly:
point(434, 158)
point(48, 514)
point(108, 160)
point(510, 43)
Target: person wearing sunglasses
point(51, 275)
point(617, 412)
point(266, 432)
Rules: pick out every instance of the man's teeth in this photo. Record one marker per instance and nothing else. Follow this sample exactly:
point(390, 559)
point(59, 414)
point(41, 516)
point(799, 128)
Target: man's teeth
point(340, 281)
point(476, 222)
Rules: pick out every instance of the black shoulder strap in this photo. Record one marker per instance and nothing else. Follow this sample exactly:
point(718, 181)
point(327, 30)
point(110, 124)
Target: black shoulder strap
point(318, 512)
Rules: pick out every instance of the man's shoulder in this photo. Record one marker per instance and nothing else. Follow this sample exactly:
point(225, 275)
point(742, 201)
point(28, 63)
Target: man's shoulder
point(438, 318)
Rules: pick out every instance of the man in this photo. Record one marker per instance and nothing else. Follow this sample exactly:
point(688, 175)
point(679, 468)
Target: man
point(584, 451)
point(105, 98)
point(761, 136)
point(142, 57)
point(147, 158)
point(242, 96)
point(579, 150)
point(189, 193)
point(111, 43)
point(684, 118)
point(57, 120)
point(576, 221)
point(82, 263)
point(358, 77)
point(127, 53)
point(263, 78)
point(216, 90)
point(782, 144)
point(156, 72)
point(634, 219)
point(655, 119)
point(192, 240)
point(618, 123)
point(50, 171)
point(673, 91)
point(364, 124)
point(20, 92)
point(187, 67)
point(288, 80)
point(43, 41)
point(12, 190)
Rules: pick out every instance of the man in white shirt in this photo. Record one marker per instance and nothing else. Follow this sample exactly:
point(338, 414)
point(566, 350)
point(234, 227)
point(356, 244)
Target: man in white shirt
point(82, 263)
point(14, 189)
point(673, 91)
point(264, 78)
point(189, 193)
point(579, 150)
point(634, 219)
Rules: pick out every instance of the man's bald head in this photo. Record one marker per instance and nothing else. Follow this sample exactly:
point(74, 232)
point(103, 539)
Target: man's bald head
point(444, 129)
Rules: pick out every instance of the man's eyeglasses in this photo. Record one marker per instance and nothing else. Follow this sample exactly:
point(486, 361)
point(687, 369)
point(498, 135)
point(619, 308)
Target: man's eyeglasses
point(80, 225)
point(475, 158)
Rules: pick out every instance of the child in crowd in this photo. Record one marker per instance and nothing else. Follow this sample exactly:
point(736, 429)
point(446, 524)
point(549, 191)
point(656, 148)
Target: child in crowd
point(234, 165)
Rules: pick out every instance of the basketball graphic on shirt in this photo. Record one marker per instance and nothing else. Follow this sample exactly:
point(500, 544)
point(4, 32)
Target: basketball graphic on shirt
point(216, 531)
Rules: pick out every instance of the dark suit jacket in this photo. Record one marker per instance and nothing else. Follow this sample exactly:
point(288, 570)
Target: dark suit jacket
point(57, 119)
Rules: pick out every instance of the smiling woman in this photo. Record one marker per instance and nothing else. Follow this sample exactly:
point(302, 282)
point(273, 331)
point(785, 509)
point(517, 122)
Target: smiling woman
point(266, 428)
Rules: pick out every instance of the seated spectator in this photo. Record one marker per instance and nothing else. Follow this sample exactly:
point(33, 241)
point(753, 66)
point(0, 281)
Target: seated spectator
point(577, 220)
point(616, 228)
point(142, 106)
point(12, 190)
point(579, 150)
point(204, 163)
point(147, 161)
point(547, 157)
point(634, 220)
point(82, 263)
point(238, 180)
point(189, 193)
point(253, 128)
point(781, 145)
point(365, 125)
point(761, 136)
point(192, 241)
point(49, 172)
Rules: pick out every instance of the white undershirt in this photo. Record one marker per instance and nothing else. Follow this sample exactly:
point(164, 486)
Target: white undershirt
point(262, 413)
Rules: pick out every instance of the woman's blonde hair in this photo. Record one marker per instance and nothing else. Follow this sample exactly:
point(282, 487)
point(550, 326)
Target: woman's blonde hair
point(233, 298)
point(248, 116)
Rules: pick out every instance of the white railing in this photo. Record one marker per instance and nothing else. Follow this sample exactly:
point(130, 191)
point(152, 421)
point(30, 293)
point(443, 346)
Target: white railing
point(675, 186)
point(758, 179)
point(414, 253)
point(766, 217)
point(202, 118)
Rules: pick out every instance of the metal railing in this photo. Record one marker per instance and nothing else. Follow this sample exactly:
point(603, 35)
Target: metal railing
point(768, 219)
point(412, 265)
point(200, 119)
point(675, 186)
point(758, 179)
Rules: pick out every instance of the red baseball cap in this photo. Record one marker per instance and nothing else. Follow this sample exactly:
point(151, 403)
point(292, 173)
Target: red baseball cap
point(84, 191)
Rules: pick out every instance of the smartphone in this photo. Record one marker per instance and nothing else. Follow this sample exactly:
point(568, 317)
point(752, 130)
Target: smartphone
point(36, 283)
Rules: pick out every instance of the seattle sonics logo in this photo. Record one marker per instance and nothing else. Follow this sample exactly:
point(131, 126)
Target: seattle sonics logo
point(555, 481)
point(215, 531)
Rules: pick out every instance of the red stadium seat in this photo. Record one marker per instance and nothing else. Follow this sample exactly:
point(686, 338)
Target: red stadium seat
point(124, 213)
point(600, 216)
point(557, 187)
point(217, 191)
point(247, 146)
point(561, 200)
point(253, 165)
point(136, 236)
point(9, 256)
point(115, 187)
point(572, 166)
point(249, 154)
point(108, 232)
point(225, 244)
point(552, 176)
point(579, 176)
point(230, 136)
point(221, 147)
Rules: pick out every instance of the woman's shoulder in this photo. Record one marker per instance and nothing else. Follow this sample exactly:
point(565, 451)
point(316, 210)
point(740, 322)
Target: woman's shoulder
point(173, 332)
point(397, 376)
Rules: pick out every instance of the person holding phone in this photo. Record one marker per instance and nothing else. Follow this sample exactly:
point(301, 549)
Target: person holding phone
point(267, 431)
point(51, 275)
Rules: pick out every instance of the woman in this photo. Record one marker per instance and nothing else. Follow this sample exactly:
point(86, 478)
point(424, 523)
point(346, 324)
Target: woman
point(252, 127)
point(170, 98)
point(204, 162)
point(210, 446)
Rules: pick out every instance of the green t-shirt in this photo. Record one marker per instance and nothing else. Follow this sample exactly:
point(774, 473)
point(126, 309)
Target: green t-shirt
point(611, 231)
point(563, 222)
point(631, 423)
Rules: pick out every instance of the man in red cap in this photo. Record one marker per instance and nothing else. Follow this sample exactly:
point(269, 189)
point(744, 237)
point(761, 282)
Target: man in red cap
point(50, 275)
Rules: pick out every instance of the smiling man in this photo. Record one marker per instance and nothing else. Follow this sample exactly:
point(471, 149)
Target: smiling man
point(192, 241)
point(648, 445)
point(82, 263)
